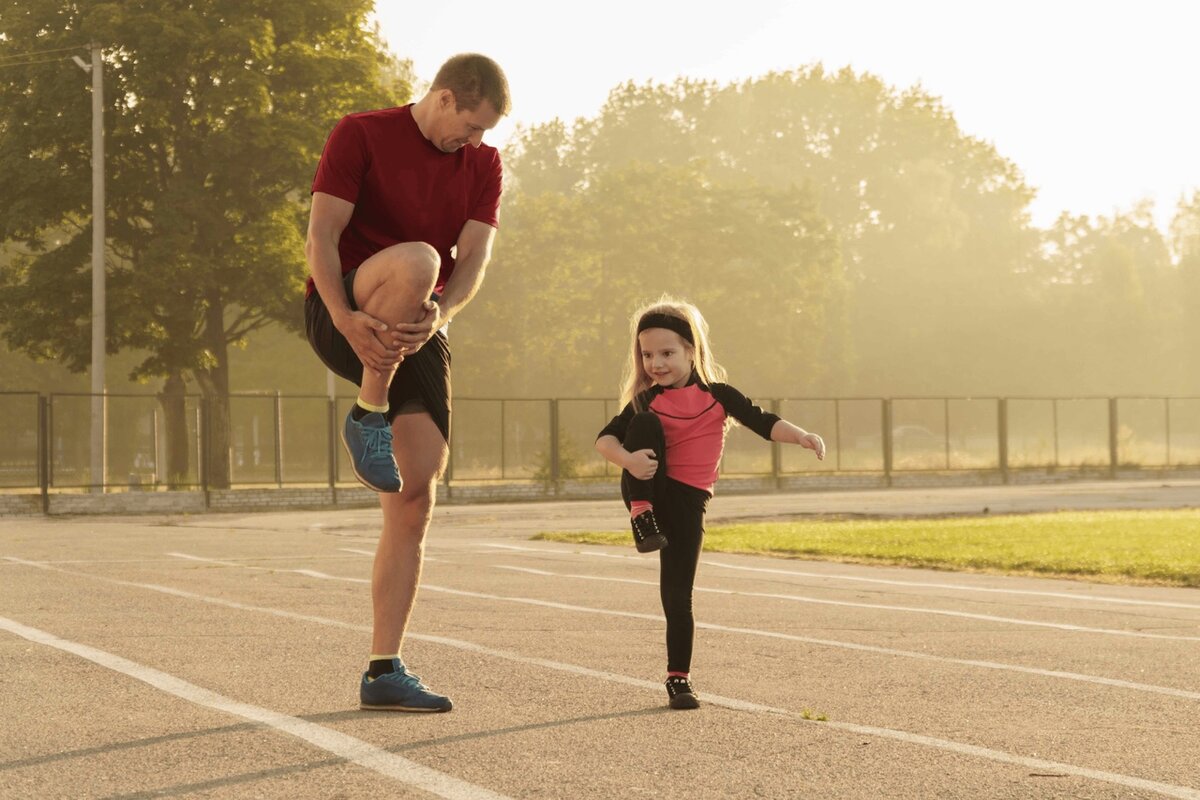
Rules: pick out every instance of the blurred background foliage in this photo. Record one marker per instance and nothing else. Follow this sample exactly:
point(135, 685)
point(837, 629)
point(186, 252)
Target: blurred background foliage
point(843, 236)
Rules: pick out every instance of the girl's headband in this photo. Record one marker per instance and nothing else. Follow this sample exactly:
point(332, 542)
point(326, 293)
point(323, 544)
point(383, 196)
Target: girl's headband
point(671, 323)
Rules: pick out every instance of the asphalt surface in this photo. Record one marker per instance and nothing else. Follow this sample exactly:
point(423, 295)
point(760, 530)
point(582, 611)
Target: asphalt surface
point(219, 656)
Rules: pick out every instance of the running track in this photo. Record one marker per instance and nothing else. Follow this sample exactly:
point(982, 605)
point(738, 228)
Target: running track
point(217, 656)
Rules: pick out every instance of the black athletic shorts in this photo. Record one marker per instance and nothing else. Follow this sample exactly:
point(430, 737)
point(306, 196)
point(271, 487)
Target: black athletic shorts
point(422, 381)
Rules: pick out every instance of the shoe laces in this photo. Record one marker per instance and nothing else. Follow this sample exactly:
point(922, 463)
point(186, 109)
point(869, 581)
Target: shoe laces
point(679, 685)
point(645, 525)
point(378, 443)
point(404, 676)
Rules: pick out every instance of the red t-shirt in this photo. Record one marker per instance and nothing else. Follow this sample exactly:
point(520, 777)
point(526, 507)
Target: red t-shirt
point(404, 189)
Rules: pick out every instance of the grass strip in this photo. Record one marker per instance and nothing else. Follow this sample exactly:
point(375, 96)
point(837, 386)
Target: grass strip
point(1150, 547)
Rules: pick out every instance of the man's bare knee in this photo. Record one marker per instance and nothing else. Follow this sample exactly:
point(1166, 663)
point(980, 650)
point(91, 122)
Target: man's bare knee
point(396, 280)
point(420, 257)
point(416, 500)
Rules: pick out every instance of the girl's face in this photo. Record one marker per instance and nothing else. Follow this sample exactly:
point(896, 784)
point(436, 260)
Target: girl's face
point(666, 357)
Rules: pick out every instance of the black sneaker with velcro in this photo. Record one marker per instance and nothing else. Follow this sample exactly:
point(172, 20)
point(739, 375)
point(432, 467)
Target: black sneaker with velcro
point(680, 693)
point(646, 534)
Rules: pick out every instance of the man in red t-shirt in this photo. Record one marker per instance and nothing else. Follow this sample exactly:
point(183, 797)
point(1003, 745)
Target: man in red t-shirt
point(404, 211)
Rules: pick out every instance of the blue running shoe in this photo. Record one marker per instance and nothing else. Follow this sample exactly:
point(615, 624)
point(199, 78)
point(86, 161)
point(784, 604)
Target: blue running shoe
point(369, 444)
point(399, 691)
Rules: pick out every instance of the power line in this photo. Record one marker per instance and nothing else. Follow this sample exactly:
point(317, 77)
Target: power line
point(27, 63)
point(45, 52)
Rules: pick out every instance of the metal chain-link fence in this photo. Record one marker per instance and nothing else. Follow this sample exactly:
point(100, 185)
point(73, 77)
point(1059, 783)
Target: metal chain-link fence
point(281, 440)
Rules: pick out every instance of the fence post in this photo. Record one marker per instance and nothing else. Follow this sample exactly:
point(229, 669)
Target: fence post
point(1054, 418)
point(43, 455)
point(502, 429)
point(331, 449)
point(554, 443)
point(278, 439)
point(1167, 424)
point(203, 445)
point(837, 432)
point(159, 470)
point(776, 450)
point(1113, 437)
point(1002, 436)
point(887, 441)
point(946, 428)
point(50, 439)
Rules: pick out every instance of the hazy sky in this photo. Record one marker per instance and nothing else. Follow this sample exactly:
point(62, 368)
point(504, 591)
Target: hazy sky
point(1096, 102)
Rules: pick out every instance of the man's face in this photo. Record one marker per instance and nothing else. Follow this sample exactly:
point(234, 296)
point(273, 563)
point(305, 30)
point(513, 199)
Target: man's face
point(456, 129)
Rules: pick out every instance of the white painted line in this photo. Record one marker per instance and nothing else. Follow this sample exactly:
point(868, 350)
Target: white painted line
point(829, 643)
point(371, 553)
point(880, 607)
point(309, 573)
point(214, 561)
point(832, 643)
point(1085, 596)
point(353, 750)
point(866, 648)
point(1089, 597)
point(1166, 789)
point(312, 573)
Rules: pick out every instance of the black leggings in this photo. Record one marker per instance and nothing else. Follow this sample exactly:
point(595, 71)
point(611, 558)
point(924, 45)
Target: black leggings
point(679, 509)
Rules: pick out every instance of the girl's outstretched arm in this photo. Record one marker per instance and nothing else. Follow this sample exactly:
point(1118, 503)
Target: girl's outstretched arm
point(787, 433)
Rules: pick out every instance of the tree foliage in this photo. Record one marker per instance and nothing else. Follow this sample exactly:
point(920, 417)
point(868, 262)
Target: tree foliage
point(889, 230)
point(571, 267)
point(215, 116)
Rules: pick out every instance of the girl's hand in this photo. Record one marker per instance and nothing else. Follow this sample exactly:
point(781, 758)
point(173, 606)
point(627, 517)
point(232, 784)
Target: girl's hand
point(642, 464)
point(814, 443)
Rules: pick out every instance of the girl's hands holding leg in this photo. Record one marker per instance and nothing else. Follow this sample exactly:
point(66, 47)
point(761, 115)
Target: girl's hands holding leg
point(642, 464)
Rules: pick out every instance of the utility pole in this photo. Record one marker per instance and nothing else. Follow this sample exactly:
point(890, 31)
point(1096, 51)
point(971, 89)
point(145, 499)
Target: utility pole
point(99, 465)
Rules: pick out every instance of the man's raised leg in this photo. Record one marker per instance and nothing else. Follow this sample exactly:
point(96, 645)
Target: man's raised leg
point(391, 286)
point(421, 452)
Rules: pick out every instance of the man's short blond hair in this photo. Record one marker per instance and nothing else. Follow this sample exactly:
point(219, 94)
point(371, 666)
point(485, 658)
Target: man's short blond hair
point(473, 78)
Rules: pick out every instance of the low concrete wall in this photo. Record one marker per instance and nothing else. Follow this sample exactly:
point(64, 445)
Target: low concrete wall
point(293, 498)
point(15, 504)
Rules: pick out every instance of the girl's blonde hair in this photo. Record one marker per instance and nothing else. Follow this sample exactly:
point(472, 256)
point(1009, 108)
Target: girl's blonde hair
point(707, 369)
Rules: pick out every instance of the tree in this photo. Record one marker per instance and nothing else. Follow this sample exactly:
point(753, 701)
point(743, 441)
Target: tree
point(931, 223)
point(215, 116)
point(570, 267)
point(1110, 309)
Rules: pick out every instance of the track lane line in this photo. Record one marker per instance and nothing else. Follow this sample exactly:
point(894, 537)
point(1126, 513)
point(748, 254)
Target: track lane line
point(351, 749)
point(881, 581)
point(1128, 781)
point(865, 648)
point(880, 607)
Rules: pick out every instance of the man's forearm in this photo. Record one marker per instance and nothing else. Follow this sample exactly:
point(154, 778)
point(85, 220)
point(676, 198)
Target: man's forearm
point(325, 266)
point(464, 282)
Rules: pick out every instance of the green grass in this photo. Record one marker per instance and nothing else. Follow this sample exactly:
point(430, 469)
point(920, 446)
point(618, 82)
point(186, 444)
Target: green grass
point(1152, 547)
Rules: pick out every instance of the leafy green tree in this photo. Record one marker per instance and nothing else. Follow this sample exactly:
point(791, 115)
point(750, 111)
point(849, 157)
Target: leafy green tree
point(215, 115)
